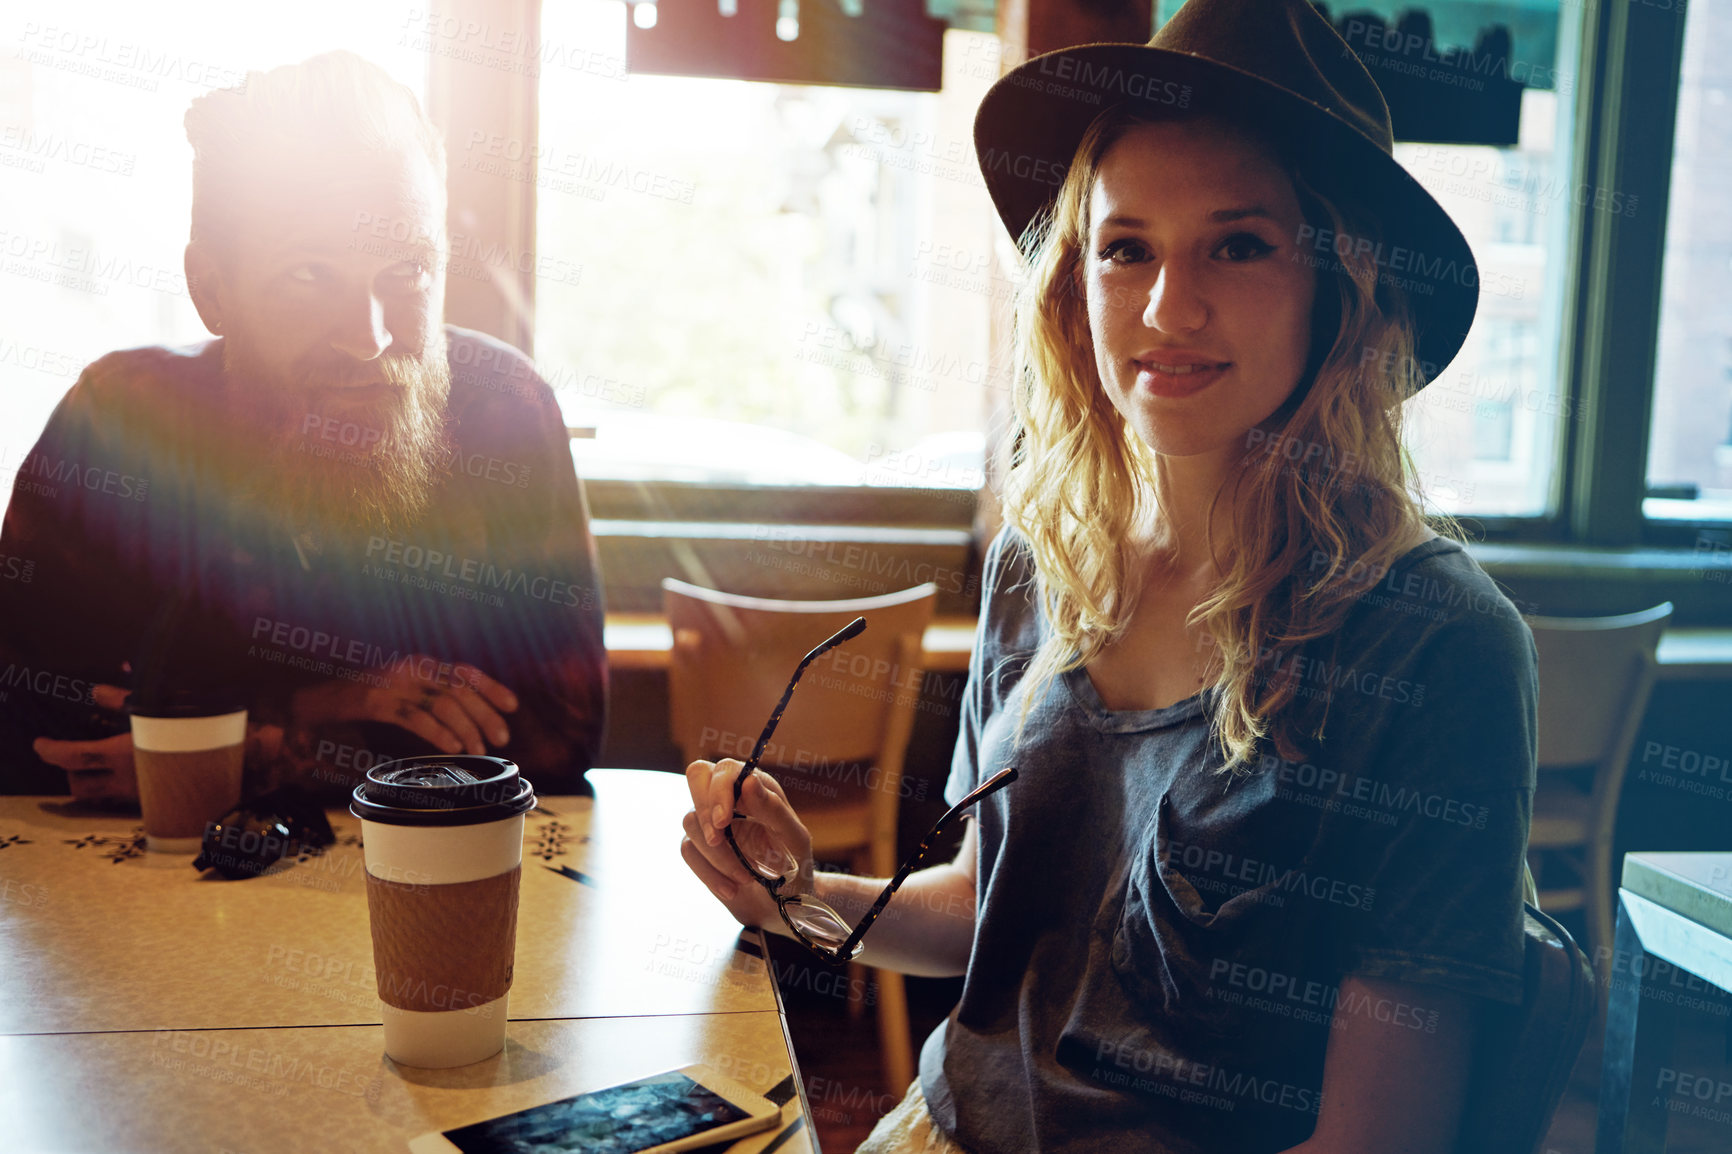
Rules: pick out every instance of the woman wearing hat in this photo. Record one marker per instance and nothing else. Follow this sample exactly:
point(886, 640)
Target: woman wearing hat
point(1262, 866)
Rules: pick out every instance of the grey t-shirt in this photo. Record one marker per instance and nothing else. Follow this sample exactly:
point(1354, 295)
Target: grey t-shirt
point(1158, 948)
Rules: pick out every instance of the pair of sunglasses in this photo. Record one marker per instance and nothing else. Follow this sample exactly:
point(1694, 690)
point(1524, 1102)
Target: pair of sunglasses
point(817, 926)
point(257, 834)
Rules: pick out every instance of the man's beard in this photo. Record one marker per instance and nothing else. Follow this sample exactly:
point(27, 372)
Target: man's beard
point(332, 465)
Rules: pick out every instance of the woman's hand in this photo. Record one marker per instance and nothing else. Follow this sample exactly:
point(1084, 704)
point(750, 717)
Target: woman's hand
point(706, 850)
point(454, 707)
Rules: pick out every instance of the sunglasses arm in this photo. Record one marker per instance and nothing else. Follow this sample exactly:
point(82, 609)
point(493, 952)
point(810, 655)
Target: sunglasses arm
point(996, 782)
point(849, 631)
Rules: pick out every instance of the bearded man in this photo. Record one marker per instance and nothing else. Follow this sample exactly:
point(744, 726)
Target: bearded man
point(365, 521)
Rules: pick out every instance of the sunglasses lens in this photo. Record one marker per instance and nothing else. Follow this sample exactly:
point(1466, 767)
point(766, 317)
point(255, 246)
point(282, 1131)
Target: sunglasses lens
point(767, 856)
point(818, 922)
point(253, 837)
point(243, 844)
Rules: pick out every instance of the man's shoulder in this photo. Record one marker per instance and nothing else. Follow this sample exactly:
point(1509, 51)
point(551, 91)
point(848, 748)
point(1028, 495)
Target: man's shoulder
point(490, 372)
point(132, 402)
point(145, 372)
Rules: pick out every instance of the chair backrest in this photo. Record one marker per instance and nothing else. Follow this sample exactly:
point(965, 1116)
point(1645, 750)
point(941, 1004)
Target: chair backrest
point(1523, 1055)
point(733, 655)
point(1595, 674)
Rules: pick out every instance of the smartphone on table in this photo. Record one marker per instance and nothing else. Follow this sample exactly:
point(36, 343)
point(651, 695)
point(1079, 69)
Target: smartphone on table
point(662, 1114)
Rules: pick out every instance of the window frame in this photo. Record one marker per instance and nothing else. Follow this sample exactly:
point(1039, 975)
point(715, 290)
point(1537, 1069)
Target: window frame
point(1625, 123)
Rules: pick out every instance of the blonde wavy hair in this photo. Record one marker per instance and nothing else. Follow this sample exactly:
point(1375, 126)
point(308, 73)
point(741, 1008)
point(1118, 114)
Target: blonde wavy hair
point(1308, 531)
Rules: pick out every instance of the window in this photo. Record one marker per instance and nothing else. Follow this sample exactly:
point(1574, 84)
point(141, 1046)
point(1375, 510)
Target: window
point(1510, 353)
point(96, 174)
point(1485, 434)
point(779, 284)
point(1690, 437)
point(837, 288)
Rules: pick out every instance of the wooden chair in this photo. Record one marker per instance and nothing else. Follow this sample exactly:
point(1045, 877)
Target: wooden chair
point(1523, 1056)
point(1595, 675)
point(839, 748)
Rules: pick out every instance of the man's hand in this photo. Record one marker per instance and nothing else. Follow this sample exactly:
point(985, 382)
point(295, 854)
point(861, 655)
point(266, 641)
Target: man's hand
point(104, 770)
point(454, 707)
point(98, 770)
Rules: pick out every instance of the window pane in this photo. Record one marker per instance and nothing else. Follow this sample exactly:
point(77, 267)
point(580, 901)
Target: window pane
point(96, 173)
point(781, 283)
point(1484, 435)
point(1690, 440)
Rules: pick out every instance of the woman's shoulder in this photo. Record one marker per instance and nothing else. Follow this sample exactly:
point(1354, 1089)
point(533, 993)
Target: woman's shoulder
point(1008, 551)
point(1010, 601)
point(1436, 591)
point(1432, 616)
point(1008, 564)
point(1435, 657)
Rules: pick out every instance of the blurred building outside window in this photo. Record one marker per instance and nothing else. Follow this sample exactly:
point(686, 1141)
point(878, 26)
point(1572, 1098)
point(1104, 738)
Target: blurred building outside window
point(1690, 438)
point(1485, 436)
point(782, 284)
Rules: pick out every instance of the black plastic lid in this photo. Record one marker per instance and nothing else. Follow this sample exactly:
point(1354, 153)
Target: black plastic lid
point(441, 790)
point(201, 701)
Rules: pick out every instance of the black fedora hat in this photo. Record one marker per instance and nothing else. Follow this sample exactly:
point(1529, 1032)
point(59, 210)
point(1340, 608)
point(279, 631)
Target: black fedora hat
point(1275, 63)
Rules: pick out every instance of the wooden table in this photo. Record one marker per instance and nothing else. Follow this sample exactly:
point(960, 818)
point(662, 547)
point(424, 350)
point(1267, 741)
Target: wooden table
point(1672, 951)
point(146, 1007)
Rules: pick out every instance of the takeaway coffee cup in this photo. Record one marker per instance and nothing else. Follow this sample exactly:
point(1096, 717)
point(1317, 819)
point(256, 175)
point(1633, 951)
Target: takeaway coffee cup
point(187, 749)
point(442, 838)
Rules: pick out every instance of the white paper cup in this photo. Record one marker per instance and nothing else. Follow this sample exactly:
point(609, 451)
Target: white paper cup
point(442, 904)
point(189, 773)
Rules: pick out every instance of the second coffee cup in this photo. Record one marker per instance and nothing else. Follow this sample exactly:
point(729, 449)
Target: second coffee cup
point(187, 751)
point(442, 839)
